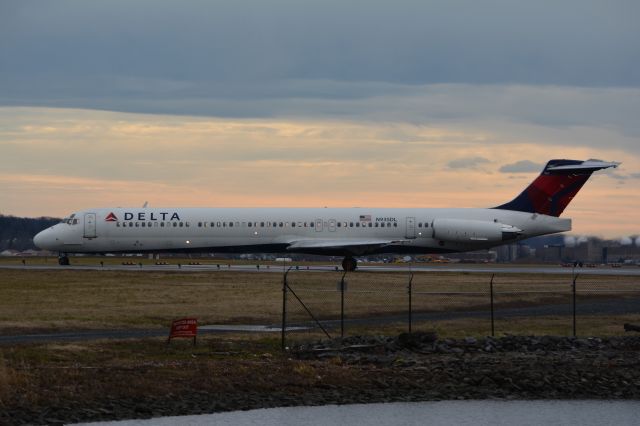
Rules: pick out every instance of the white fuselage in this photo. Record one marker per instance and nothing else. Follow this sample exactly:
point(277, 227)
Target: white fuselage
point(331, 231)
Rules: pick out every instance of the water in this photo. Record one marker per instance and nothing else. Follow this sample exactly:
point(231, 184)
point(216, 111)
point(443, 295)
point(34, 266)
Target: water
point(432, 413)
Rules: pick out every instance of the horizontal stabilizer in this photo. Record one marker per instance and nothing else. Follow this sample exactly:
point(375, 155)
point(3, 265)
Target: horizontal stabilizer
point(583, 167)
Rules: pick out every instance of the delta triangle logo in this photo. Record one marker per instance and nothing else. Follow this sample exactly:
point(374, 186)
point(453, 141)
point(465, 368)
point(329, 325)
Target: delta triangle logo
point(111, 218)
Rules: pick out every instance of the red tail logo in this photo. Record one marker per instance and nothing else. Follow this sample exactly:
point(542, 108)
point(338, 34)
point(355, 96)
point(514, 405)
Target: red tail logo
point(553, 190)
point(111, 218)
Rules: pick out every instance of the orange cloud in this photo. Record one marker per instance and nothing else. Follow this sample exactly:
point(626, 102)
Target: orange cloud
point(55, 161)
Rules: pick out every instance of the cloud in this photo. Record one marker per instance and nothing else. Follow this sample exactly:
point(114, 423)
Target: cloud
point(55, 160)
point(467, 162)
point(522, 166)
point(408, 41)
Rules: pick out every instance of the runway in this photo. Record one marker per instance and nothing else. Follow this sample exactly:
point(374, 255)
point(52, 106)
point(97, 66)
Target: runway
point(633, 271)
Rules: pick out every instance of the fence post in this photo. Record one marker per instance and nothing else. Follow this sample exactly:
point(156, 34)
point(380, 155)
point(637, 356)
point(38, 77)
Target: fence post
point(284, 307)
point(577, 263)
point(410, 290)
point(342, 289)
point(573, 291)
point(493, 330)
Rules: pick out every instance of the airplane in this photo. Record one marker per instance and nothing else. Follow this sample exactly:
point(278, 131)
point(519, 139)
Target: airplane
point(346, 232)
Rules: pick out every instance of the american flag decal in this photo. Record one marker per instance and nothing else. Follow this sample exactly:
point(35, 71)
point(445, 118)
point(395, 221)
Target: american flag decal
point(365, 218)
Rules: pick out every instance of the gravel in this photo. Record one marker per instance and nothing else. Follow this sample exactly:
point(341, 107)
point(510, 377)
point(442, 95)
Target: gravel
point(363, 369)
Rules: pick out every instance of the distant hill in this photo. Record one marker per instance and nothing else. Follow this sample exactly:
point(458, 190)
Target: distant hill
point(16, 233)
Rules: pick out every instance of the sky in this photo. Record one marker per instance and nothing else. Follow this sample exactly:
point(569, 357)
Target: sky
point(317, 103)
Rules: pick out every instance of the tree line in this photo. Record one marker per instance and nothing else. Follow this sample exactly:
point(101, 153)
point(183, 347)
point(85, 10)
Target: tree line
point(16, 233)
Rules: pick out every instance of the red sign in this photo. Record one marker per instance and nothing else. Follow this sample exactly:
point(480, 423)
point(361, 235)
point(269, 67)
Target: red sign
point(111, 218)
point(186, 327)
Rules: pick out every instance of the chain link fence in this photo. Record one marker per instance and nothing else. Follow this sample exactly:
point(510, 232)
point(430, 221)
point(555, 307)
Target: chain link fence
point(457, 304)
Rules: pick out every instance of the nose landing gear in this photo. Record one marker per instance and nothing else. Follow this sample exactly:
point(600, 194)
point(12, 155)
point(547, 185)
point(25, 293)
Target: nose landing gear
point(349, 264)
point(63, 259)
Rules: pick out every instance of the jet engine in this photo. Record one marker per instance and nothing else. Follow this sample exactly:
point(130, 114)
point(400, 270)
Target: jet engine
point(470, 231)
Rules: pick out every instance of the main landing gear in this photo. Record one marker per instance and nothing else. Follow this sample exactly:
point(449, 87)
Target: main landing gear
point(63, 259)
point(349, 264)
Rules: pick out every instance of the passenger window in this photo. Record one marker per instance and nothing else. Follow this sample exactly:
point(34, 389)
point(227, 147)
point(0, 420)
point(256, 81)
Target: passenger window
point(350, 224)
point(370, 225)
point(357, 224)
point(137, 224)
point(261, 224)
point(339, 224)
point(419, 224)
point(161, 224)
point(144, 224)
point(395, 224)
point(117, 224)
point(230, 224)
point(199, 224)
point(311, 224)
point(281, 224)
point(175, 224)
point(187, 224)
point(293, 224)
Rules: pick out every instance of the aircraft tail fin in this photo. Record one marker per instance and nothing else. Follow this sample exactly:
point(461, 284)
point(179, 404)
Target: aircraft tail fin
point(555, 187)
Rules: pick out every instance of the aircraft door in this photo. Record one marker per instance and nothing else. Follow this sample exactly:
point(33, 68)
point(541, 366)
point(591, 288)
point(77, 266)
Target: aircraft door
point(332, 225)
point(411, 227)
point(89, 225)
point(318, 225)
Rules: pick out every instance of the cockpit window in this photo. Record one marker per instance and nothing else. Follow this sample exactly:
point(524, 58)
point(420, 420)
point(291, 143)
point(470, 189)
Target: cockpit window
point(71, 220)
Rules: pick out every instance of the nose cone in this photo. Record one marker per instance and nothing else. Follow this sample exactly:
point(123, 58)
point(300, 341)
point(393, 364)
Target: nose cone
point(44, 240)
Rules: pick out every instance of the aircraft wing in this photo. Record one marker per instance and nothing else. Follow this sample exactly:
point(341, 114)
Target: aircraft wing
point(341, 245)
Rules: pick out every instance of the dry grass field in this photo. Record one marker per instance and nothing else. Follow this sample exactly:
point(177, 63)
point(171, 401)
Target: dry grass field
point(47, 383)
point(76, 299)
